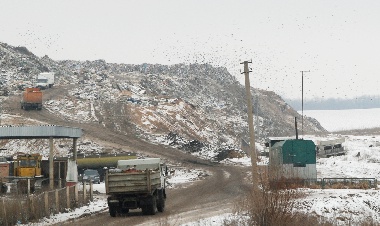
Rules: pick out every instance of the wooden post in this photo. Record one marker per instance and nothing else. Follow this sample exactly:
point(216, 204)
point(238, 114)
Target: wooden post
point(84, 192)
point(28, 187)
point(65, 171)
point(76, 195)
point(68, 197)
point(91, 191)
point(56, 201)
point(59, 175)
point(51, 164)
point(46, 197)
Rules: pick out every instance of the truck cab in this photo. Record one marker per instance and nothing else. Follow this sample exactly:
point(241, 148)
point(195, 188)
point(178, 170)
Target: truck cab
point(42, 83)
point(45, 80)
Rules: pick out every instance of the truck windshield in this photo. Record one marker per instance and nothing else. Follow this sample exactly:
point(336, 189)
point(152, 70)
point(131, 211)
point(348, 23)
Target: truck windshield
point(27, 163)
point(40, 80)
point(90, 172)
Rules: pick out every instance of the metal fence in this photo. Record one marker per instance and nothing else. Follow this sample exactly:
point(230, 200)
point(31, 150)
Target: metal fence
point(353, 182)
point(327, 183)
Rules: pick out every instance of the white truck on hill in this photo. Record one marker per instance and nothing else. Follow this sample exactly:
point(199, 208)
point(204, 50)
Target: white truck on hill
point(45, 80)
point(136, 183)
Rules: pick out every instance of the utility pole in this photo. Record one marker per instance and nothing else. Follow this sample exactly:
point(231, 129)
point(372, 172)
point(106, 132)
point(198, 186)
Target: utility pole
point(255, 178)
point(302, 100)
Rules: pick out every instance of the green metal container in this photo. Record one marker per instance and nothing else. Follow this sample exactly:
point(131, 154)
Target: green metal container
point(293, 158)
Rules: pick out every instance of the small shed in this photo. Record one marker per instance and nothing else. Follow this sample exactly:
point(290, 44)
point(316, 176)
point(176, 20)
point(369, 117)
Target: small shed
point(292, 159)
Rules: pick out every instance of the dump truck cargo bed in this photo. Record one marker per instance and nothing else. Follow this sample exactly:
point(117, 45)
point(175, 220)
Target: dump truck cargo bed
point(136, 183)
point(132, 182)
point(31, 99)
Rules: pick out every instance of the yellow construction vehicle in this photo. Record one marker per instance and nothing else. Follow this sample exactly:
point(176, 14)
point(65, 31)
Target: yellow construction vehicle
point(31, 172)
point(28, 165)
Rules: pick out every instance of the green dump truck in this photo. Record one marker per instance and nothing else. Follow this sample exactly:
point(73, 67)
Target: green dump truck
point(136, 183)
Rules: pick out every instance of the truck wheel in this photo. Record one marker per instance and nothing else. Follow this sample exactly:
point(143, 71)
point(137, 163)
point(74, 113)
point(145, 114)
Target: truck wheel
point(112, 210)
point(151, 208)
point(144, 210)
point(161, 201)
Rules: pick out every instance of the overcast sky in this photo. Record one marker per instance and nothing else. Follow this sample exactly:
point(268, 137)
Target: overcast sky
point(338, 41)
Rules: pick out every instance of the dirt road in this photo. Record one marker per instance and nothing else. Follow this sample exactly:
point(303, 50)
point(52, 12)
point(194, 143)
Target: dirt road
point(212, 196)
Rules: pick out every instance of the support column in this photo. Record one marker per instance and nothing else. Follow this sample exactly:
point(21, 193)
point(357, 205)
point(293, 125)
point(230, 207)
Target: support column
point(51, 164)
point(72, 167)
point(75, 149)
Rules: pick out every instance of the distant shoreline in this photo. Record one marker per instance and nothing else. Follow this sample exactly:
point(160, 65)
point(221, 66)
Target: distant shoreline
point(346, 120)
point(362, 102)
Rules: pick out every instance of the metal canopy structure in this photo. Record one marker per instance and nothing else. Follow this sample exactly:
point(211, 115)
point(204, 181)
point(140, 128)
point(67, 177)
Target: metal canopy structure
point(39, 132)
point(43, 132)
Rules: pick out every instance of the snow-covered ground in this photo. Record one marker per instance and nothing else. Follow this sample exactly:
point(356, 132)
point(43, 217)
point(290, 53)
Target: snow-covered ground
point(343, 206)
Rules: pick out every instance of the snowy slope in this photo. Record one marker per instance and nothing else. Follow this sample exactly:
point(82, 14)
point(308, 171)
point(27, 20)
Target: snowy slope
point(195, 101)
